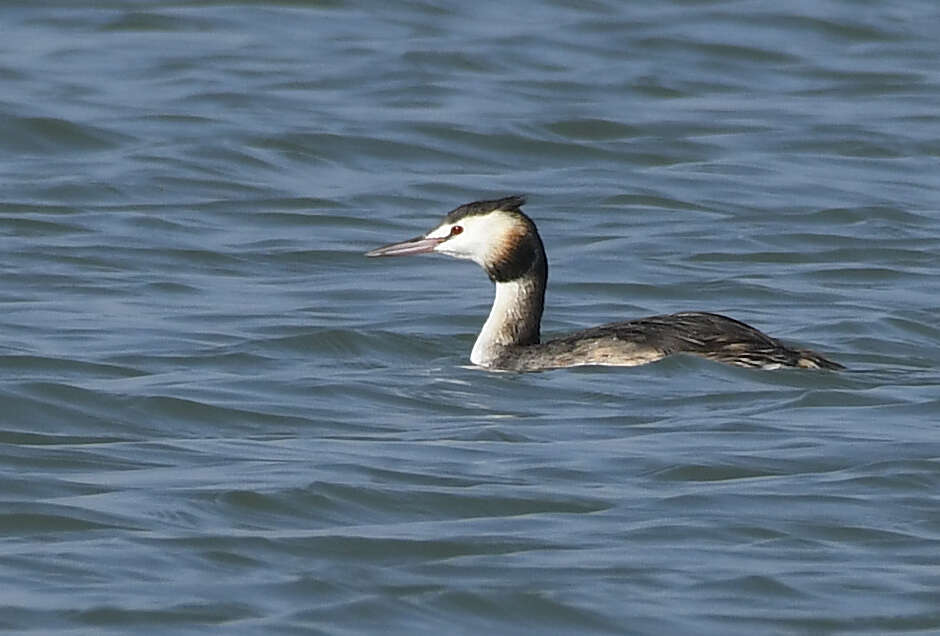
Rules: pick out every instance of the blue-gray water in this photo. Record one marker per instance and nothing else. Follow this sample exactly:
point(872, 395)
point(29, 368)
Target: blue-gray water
point(217, 415)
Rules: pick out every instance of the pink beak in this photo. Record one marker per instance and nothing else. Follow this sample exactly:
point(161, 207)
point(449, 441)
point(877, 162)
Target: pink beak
point(417, 245)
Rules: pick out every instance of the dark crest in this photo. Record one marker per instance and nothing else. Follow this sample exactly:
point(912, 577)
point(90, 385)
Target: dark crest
point(477, 208)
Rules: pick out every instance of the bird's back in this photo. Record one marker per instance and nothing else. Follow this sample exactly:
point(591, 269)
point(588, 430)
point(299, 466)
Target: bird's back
point(645, 340)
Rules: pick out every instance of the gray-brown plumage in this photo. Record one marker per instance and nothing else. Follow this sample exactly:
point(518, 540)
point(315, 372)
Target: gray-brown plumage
point(505, 242)
point(649, 339)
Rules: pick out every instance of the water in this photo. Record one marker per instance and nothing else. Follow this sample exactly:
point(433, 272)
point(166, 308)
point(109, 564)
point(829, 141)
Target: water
point(218, 415)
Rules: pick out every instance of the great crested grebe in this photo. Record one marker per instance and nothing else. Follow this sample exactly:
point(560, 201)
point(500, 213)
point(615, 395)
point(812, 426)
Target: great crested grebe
point(500, 238)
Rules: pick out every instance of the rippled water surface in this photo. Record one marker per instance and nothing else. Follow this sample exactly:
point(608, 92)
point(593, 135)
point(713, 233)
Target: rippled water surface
point(216, 414)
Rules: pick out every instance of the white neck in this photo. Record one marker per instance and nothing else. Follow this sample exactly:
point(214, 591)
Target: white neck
point(514, 319)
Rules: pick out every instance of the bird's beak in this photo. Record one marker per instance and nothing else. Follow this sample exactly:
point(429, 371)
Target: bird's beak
point(417, 245)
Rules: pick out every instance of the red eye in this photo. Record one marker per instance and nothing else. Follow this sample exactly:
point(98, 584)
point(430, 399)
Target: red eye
point(454, 231)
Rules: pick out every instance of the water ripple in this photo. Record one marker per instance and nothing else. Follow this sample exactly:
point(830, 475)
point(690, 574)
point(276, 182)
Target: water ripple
point(216, 411)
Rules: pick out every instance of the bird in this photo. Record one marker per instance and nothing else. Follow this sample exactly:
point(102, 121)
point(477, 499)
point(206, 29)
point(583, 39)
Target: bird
point(498, 236)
